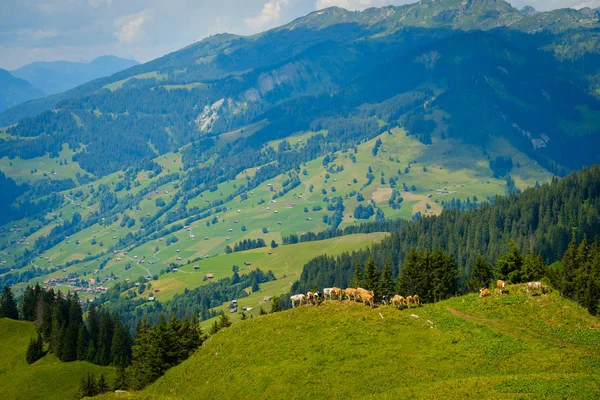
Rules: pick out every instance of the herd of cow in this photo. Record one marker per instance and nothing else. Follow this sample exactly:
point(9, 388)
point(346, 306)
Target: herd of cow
point(358, 294)
point(533, 288)
point(368, 296)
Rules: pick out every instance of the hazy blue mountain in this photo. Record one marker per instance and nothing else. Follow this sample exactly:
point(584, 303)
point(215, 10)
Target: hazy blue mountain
point(14, 91)
point(58, 76)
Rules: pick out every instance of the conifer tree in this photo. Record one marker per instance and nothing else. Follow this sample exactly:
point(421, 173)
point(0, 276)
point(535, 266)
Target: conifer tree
point(82, 342)
point(569, 266)
point(534, 267)
point(224, 321)
point(8, 305)
point(101, 386)
point(262, 311)
point(275, 307)
point(357, 276)
point(481, 275)
point(509, 266)
point(386, 284)
point(35, 350)
point(371, 279)
point(88, 388)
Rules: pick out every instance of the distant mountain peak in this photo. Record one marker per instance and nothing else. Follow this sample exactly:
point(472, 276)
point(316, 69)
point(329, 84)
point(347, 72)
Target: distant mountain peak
point(528, 11)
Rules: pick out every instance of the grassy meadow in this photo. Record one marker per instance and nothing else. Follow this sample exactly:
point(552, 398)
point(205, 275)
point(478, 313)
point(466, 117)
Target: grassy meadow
point(48, 378)
point(501, 347)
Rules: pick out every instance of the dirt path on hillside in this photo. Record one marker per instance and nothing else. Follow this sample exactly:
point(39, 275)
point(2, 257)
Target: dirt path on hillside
point(514, 331)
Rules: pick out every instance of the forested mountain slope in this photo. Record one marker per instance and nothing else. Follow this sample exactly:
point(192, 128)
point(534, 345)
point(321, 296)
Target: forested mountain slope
point(14, 91)
point(226, 81)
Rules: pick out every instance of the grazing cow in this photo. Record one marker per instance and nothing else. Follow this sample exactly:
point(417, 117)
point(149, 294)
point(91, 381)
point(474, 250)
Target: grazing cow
point(318, 297)
point(350, 293)
point(483, 292)
point(398, 301)
point(361, 291)
point(327, 293)
point(337, 292)
point(536, 287)
point(416, 300)
point(310, 297)
point(367, 298)
point(409, 301)
point(501, 286)
point(298, 298)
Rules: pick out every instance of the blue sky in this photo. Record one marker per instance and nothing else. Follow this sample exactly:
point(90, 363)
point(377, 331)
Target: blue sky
point(80, 30)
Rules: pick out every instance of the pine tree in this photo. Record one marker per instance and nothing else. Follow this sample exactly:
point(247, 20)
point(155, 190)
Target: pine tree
point(35, 350)
point(371, 280)
point(224, 321)
point(386, 284)
point(569, 266)
point(509, 266)
point(275, 307)
point(8, 305)
point(534, 267)
point(357, 276)
point(88, 388)
point(120, 378)
point(410, 280)
point(481, 275)
point(262, 311)
point(120, 348)
point(82, 342)
point(102, 387)
point(28, 303)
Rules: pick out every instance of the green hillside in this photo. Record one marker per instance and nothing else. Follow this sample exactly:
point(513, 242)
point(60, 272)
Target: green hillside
point(47, 378)
point(510, 346)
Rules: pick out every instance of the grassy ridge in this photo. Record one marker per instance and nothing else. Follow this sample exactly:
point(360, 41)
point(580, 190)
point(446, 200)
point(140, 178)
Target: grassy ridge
point(500, 347)
point(48, 378)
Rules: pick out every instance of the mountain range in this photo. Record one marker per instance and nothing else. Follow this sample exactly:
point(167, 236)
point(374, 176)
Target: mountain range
point(58, 76)
point(487, 67)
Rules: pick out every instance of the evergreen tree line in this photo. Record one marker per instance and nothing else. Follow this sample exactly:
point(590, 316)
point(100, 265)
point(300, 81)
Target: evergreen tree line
point(101, 339)
point(158, 348)
point(248, 244)
point(493, 237)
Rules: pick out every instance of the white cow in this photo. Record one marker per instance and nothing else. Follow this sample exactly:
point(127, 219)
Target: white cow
point(327, 293)
point(298, 298)
point(536, 287)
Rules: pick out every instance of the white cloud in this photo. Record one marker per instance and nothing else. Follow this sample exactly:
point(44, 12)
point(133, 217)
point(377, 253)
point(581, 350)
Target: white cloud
point(270, 13)
point(131, 27)
point(39, 34)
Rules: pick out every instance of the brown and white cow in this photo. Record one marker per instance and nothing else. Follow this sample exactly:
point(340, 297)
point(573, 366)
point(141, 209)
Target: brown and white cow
point(310, 297)
point(367, 298)
point(484, 292)
point(298, 298)
point(416, 300)
point(501, 285)
point(409, 300)
point(361, 291)
point(337, 292)
point(398, 301)
point(350, 293)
